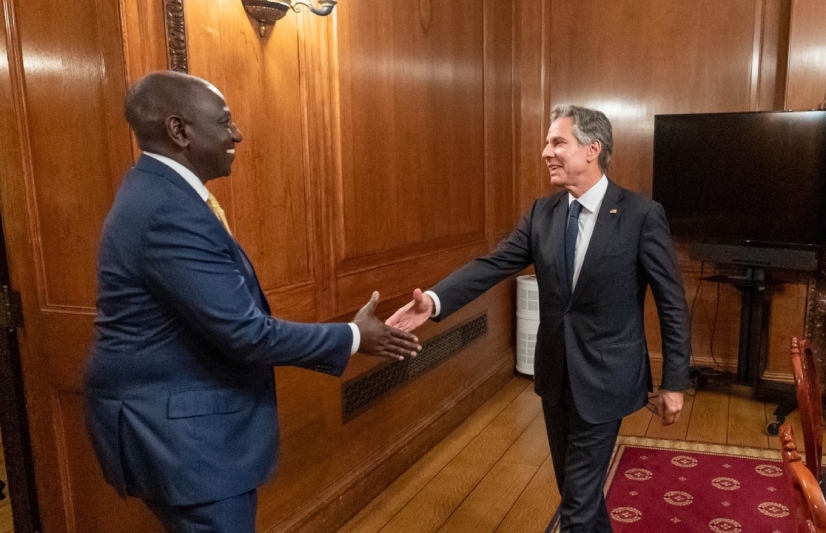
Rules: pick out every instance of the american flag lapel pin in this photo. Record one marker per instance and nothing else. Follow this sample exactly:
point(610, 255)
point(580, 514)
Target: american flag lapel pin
point(613, 211)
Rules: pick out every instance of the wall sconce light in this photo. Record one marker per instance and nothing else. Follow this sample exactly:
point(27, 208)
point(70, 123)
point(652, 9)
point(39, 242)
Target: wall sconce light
point(268, 12)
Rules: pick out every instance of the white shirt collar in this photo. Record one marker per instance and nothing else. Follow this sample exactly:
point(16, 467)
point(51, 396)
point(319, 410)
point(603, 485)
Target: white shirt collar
point(185, 173)
point(592, 198)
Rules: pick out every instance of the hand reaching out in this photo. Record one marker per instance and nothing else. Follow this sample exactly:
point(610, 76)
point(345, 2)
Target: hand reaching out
point(414, 314)
point(380, 339)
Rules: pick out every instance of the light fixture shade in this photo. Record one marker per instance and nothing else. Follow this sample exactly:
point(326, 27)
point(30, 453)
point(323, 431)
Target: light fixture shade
point(268, 12)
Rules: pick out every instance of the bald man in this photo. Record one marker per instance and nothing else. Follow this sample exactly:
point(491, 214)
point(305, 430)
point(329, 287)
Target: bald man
point(179, 389)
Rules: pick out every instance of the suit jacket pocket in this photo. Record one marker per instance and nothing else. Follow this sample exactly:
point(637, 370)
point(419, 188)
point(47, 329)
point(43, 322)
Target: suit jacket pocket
point(201, 402)
point(625, 363)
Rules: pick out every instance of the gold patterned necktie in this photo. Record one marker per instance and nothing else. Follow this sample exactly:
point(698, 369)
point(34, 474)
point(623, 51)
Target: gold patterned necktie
point(213, 204)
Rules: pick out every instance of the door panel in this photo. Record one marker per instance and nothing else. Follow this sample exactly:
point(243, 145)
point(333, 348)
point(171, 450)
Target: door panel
point(65, 146)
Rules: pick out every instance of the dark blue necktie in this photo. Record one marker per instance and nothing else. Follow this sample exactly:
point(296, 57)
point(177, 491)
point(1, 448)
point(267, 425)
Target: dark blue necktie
point(571, 232)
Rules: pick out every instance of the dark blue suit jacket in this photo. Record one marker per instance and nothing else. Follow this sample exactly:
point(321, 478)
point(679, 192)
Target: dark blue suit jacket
point(598, 331)
point(179, 389)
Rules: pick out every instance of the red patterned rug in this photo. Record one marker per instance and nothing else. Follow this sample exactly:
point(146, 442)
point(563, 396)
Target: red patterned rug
point(657, 486)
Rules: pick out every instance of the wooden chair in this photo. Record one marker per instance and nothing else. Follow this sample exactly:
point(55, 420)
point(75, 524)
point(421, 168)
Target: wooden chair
point(809, 403)
point(809, 505)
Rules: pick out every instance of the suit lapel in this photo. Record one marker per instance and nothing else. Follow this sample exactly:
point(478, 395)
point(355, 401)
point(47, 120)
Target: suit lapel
point(603, 230)
point(153, 166)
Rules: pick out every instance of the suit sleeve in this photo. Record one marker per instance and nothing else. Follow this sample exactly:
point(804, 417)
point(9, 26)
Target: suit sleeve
point(512, 255)
point(188, 266)
point(659, 263)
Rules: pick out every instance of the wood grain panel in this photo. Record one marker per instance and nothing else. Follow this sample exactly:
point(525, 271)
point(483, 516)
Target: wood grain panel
point(774, 55)
point(532, 29)
point(144, 39)
point(66, 81)
point(319, 54)
point(806, 82)
point(788, 304)
point(144, 46)
point(633, 60)
point(412, 106)
point(74, 84)
point(499, 114)
point(389, 279)
point(266, 198)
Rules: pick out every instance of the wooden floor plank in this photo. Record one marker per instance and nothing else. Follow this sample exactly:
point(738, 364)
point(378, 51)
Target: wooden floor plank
point(490, 501)
point(535, 507)
point(434, 504)
point(384, 507)
point(531, 448)
point(636, 424)
point(746, 422)
point(709, 416)
point(6, 524)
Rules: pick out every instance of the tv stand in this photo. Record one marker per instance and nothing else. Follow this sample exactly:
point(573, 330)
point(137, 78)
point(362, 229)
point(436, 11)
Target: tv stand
point(752, 352)
point(755, 289)
point(754, 332)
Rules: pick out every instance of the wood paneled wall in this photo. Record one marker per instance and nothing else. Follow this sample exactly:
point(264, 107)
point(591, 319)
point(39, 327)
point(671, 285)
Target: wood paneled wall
point(384, 146)
point(377, 154)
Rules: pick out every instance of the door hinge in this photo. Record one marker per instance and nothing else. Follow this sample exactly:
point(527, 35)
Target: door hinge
point(11, 309)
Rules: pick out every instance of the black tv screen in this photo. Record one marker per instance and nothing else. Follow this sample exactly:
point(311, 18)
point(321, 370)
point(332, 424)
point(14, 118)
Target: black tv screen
point(756, 178)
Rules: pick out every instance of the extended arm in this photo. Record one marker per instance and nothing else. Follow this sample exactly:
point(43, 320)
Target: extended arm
point(472, 280)
point(192, 271)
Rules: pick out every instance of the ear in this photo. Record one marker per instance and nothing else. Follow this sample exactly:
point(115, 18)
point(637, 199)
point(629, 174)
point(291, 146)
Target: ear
point(594, 149)
point(176, 130)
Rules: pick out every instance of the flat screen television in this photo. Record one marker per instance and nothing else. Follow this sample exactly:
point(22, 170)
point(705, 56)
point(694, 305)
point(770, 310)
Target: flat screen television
point(745, 180)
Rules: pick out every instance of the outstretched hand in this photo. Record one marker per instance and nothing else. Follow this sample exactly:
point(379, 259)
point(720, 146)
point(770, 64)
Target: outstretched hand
point(380, 339)
point(414, 314)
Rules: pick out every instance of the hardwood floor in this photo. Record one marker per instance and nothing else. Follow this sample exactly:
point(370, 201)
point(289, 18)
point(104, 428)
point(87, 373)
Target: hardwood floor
point(493, 472)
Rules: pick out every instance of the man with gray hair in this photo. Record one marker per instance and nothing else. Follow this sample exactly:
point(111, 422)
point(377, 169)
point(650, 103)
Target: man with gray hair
point(596, 248)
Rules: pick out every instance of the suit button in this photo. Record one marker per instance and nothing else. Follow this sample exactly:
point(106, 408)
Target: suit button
point(567, 313)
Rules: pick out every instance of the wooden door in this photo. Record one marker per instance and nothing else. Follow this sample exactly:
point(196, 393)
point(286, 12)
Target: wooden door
point(63, 147)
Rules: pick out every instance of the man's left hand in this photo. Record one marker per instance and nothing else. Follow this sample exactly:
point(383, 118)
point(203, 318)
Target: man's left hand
point(670, 406)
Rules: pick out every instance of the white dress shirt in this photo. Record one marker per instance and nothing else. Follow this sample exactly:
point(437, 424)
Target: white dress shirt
point(591, 201)
point(203, 192)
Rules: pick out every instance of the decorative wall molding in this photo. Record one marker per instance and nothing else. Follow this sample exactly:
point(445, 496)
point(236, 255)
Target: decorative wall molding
point(176, 35)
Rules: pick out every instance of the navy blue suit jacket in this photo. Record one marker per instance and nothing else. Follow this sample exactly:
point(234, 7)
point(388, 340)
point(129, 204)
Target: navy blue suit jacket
point(179, 389)
point(598, 331)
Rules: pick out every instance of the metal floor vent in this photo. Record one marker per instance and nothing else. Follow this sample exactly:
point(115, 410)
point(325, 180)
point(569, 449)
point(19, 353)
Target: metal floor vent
point(360, 393)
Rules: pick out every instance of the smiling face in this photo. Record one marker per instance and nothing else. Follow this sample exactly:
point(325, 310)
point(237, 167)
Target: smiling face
point(211, 135)
point(572, 166)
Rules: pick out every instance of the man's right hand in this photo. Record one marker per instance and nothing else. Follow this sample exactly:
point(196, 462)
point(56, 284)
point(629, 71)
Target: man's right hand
point(380, 339)
point(414, 314)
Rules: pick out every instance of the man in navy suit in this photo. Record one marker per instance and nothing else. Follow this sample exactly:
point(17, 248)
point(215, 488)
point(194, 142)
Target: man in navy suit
point(596, 247)
point(179, 391)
